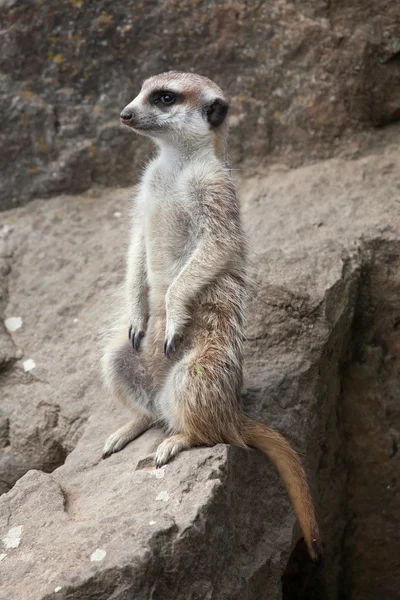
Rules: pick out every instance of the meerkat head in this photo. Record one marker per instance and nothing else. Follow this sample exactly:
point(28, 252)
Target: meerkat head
point(177, 106)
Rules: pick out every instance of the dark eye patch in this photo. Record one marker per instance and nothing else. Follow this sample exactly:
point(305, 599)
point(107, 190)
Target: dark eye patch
point(164, 98)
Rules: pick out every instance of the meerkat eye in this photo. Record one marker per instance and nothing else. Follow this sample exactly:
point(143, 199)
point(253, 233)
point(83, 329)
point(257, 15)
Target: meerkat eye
point(167, 98)
point(164, 98)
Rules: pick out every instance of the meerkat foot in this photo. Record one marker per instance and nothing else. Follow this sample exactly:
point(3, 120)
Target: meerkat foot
point(170, 448)
point(118, 440)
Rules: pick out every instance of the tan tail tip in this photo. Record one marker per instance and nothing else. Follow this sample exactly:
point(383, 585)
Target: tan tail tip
point(317, 551)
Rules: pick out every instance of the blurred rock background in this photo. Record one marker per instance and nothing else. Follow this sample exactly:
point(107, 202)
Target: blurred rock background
point(315, 100)
point(303, 77)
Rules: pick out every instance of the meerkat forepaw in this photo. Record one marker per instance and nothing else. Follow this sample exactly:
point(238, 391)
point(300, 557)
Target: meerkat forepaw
point(170, 345)
point(135, 337)
point(172, 334)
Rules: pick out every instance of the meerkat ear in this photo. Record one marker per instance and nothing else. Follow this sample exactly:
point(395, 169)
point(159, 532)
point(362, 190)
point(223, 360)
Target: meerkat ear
point(216, 112)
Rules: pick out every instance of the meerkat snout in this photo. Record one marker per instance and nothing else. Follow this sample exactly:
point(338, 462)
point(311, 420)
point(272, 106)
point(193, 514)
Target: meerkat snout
point(126, 116)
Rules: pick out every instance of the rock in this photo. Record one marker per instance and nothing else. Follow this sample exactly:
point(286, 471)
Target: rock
point(52, 286)
point(371, 427)
point(302, 77)
point(7, 349)
point(321, 356)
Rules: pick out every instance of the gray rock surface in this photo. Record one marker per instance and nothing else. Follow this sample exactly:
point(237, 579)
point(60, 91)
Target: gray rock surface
point(215, 523)
point(303, 77)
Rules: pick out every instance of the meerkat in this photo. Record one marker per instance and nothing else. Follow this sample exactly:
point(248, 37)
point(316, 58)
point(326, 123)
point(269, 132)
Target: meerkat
point(176, 352)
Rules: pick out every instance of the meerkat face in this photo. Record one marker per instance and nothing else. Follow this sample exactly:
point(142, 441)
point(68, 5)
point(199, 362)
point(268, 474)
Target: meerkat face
point(177, 105)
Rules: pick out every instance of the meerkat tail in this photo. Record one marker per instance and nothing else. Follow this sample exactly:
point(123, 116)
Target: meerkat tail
point(288, 465)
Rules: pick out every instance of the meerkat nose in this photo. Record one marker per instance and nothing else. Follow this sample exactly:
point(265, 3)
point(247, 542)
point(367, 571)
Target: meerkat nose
point(126, 116)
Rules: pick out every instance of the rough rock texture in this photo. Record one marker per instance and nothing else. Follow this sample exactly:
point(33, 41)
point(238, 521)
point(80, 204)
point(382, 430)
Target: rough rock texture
point(301, 75)
point(371, 425)
point(321, 365)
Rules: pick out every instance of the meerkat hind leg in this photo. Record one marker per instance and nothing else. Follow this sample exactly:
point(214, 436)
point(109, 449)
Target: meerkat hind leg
point(171, 447)
point(118, 440)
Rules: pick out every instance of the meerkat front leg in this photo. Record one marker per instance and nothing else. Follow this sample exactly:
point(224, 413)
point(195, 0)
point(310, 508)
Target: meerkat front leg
point(207, 260)
point(136, 289)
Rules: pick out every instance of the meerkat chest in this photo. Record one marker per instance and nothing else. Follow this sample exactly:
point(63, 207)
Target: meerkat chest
point(169, 225)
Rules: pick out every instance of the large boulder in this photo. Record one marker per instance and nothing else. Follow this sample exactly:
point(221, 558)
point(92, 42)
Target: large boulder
point(321, 351)
point(302, 76)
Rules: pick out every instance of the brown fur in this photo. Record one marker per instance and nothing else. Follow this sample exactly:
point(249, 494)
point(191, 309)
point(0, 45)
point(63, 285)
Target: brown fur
point(289, 467)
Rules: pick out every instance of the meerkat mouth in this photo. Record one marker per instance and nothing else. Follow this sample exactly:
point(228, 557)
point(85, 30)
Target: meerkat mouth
point(133, 124)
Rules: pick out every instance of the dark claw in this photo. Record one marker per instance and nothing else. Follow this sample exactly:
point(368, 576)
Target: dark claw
point(136, 339)
point(170, 346)
point(318, 551)
point(130, 332)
